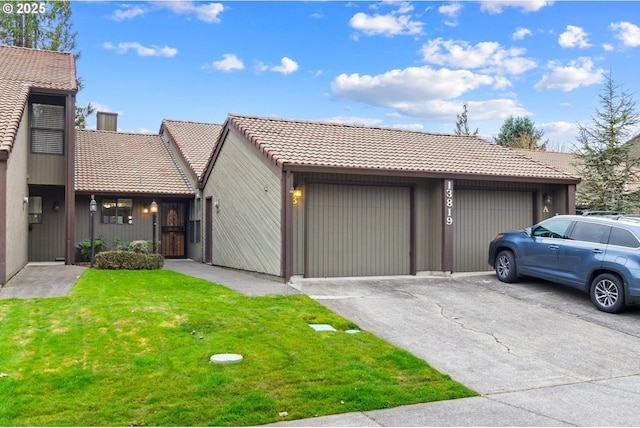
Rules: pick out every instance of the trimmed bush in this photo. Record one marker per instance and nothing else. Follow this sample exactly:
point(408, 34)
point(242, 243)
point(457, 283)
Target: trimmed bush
point(128, 260)
point(84, 248)
point(139, 247)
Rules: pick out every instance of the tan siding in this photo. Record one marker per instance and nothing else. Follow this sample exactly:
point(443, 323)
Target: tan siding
point(17, 211)
point(46, 169)
point(478, 216)
point(246, 225)
point(358, 230)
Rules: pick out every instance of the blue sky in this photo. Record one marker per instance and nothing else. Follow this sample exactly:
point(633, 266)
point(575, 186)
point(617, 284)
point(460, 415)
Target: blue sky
point(409, 65)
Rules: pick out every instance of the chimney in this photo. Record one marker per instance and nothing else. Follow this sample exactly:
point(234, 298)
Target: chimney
point(107, 121)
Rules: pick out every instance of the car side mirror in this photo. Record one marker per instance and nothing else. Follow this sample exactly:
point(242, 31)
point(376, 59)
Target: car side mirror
point(528, 231)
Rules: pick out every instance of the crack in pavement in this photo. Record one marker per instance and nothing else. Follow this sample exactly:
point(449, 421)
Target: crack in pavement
point(461, 324)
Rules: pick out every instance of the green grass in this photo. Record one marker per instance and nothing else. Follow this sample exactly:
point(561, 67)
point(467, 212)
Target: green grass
point(133, 348)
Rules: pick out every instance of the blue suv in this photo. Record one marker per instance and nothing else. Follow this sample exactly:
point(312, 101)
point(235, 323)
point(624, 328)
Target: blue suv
point(600, 256)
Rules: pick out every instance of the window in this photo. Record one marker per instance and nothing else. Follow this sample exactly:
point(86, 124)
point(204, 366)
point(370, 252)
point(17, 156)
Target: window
point(47, 129)
point(195, 229)
point(623, 238)
point(117, 211)
point(552, 229)
point(591, 232)
point(35, 209)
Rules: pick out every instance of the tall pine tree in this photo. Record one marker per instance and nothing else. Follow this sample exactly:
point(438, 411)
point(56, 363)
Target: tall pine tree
point(606, 162)
point(49, 29)
point(462, 123)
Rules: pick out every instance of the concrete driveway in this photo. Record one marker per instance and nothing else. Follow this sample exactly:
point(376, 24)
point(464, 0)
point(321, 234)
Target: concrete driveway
point(540, 354)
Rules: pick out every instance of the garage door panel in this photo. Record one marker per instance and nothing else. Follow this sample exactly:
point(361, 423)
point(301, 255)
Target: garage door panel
point(357, 230)
point(479, 215)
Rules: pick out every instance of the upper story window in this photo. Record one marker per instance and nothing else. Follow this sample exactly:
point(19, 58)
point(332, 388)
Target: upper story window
point(117, 211)
point(47, 128)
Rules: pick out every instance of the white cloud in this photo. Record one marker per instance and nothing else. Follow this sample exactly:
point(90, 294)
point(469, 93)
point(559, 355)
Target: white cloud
point(562, 135)
point(451, 10)
point(388, 25)
point(607, 47)
point(521, 33)
point(498, 6)
point(627, 33)
point(209, 12)
point(566, 78)
point(574, 37)
point(486, 56)
point(287, 66)
point(229, 62)
point(423, 92)
point(153, 50)
point(128, 11)
point(353, 120)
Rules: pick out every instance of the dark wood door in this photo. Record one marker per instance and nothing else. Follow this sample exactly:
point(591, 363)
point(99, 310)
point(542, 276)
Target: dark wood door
point(173, 229)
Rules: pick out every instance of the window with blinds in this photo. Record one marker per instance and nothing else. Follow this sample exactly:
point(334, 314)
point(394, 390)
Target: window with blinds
point(47, 129)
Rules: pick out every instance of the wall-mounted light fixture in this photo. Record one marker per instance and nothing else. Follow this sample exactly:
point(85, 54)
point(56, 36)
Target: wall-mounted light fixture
point(56, 206)
point(216, 205)
point(145, 209)
point(546, 198)
point(295, 195)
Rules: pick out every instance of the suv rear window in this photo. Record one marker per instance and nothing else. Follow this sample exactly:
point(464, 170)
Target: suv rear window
point(590, 232)
point(623, 238)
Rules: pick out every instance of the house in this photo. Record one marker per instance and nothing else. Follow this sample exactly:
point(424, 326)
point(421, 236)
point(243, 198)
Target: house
point(37, 138)
point(288, 197)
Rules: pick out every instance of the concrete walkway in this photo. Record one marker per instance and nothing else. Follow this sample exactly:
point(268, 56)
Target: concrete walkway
point(42, 280)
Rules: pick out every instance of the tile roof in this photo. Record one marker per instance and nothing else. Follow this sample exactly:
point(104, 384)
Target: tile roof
point(119, 162)
point(563, 161)
point(22, 68)
point(316, 144)
point(196, 141)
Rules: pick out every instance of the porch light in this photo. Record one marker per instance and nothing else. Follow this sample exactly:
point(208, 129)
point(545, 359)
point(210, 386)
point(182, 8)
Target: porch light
point(93, 207)
point(546, 198)
point(154, 211)
point(296, 194)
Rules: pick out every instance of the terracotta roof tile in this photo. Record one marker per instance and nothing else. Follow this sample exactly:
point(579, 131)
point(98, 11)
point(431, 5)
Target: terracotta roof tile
point(22, 68)
point(346, 146)
point(196, 141)
point(563, 161)
point(120, 162)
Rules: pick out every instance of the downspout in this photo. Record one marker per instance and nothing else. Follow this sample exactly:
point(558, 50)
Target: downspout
point(286, 222)
point(3, 220)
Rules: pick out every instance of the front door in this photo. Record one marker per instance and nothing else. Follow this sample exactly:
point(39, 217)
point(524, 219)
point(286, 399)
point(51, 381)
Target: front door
point(173, 229)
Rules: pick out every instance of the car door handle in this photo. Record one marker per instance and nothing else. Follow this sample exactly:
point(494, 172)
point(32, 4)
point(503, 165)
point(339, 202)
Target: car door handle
point(553, 247)
point(596, 251)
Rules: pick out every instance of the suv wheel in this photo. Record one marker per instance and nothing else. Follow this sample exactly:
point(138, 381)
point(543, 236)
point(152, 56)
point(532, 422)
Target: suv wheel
point(506, 266)
point(607, 293)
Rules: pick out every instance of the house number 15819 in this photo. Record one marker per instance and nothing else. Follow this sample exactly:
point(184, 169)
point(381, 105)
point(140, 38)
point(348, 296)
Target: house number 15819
point(448, 202)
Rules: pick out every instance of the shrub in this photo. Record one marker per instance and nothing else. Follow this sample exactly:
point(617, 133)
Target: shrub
point(139, 247)
point(128, 260)
point(84, 248)
point(119, 245)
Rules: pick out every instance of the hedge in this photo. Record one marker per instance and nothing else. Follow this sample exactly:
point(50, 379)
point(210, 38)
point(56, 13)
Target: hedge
point(128, 260)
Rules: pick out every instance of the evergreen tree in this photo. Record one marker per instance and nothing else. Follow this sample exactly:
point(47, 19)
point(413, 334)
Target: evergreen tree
point(520, 132)
point(462, 123)
point(49, 29)
point(604, 160)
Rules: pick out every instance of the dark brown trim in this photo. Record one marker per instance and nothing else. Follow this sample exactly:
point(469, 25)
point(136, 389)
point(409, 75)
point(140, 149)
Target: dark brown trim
point(424, 174)
point(124, 194)
point(208, 230)
point(571, 199)
point(536, 207)
point(305, 231)
point(447, 229)
point(287, 226)
point(70, 197)
point(3, 222)
point(412, 230)
point(35, 90)
point(214, 156)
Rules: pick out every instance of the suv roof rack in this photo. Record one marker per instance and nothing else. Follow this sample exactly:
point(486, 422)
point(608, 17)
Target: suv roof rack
point(605, 213)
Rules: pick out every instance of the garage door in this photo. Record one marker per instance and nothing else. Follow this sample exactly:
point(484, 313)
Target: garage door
point(479, 216)
point(355, 230)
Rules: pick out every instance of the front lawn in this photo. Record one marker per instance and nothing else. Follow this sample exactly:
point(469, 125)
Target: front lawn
point(133, 348)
